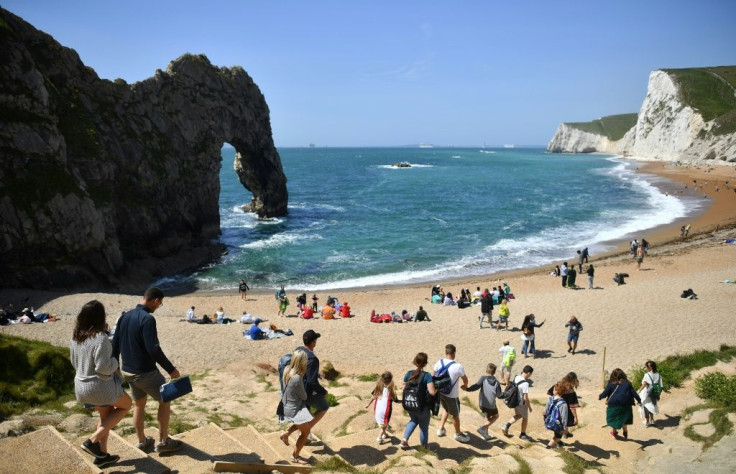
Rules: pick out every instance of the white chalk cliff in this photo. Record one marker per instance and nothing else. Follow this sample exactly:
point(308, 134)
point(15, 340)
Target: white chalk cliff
point(666, 129)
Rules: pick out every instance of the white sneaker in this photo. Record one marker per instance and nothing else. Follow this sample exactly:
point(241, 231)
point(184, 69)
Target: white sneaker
point(484, 433)
point(462, 437)
point(441, 432)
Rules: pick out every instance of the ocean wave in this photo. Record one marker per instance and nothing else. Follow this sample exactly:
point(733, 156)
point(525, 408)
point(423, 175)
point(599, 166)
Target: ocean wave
point(279, 240)
point(312, 206)
point(413, 165)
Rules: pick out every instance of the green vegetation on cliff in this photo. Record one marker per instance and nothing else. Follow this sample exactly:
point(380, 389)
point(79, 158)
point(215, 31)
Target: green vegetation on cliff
point(712, 92)
point(613, 127)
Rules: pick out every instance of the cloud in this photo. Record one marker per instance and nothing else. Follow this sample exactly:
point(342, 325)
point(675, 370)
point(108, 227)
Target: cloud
point(415, 71)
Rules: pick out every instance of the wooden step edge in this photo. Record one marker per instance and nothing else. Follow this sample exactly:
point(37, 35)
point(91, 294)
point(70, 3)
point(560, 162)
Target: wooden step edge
point(223, 466)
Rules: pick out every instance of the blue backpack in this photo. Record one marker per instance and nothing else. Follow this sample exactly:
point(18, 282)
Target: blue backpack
point(553, 417)
point(442, 379)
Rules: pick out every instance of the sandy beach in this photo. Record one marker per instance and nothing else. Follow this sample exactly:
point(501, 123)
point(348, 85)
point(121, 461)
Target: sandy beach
point(646, 318)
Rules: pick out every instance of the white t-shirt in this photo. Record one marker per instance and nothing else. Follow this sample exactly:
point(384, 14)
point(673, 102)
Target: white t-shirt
point(456, 371)
point(190, 314)
point(523, 388)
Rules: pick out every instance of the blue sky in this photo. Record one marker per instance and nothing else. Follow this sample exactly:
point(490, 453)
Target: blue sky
point(380, 73)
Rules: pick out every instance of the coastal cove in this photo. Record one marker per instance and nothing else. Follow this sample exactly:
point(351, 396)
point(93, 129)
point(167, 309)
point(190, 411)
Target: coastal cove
point(356, 222)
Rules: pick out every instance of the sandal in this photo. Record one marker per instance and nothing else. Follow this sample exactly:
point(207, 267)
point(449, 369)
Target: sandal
point(614, 433)
point(284, 437)
point(299, 460)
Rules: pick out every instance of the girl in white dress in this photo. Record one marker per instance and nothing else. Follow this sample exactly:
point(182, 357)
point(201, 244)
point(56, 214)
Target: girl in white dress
point(384, 394)
point(650, 397)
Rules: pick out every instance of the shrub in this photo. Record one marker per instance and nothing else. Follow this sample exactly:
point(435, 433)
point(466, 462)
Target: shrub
point(717, 388)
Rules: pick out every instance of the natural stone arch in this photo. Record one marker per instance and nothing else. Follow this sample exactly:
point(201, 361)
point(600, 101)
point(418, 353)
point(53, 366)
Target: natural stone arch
point(106, 183)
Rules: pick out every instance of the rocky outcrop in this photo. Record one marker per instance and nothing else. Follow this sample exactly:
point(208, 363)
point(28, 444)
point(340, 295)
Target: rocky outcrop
point(104, 183)
point(666, 129)
point(570, 139)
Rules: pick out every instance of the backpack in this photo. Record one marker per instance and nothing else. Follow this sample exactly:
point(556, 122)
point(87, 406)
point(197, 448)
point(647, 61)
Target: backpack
point(442, 378)
point(284, 362)
point(414, 396)
point(656, 388)
point(511, 396)
point(553, 418)
point(509, 358)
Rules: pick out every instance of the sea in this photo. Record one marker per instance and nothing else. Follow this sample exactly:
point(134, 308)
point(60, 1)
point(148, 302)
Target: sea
point(355, 220)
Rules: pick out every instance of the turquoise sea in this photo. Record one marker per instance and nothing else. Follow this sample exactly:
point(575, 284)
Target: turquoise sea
point(355, 221)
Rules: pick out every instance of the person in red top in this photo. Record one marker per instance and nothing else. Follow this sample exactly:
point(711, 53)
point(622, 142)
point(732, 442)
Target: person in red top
point(345, 310)
point(308, 313)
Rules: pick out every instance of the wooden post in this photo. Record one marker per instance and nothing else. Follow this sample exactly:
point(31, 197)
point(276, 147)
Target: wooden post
point(603, 369)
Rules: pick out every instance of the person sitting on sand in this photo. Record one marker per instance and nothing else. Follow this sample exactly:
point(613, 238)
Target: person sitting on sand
point(219, 315)
point(205, 320)
point(255, 332)
point(247, 318)
point(345, 310)
point(449, 300)
point(190, 314)
point(405, 315)
point(308, 313)
point(328, 312)
point(421, 315)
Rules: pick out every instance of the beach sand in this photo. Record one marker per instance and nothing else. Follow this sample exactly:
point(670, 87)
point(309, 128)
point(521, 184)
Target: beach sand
point(643, 319)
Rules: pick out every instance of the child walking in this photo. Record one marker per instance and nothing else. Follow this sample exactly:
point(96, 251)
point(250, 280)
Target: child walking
point(503, 314)
point(555, 416)
point(508, 357)
point(384, 394)
point(490, 389)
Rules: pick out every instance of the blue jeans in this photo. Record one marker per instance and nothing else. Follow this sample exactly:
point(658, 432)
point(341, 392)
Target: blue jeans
point(420, 419)
point(526, 345)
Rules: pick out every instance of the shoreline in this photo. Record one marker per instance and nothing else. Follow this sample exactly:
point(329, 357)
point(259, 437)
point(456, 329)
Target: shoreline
point(719, 211)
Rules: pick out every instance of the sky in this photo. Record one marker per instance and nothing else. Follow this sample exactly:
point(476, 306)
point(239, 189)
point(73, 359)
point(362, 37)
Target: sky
point(394, 73)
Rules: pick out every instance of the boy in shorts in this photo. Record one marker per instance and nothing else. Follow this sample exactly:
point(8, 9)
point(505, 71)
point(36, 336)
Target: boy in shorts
point(508, 357)
point(490, 389)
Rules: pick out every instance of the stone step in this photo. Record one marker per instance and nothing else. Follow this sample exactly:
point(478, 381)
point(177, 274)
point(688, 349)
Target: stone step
point(202, 447)
point(132, 459)
point(256, 443)
point(43, 451)
point(285, 452)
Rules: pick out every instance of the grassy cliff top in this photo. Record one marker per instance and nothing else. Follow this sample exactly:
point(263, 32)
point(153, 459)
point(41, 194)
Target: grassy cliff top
point(712, 92)
point(613, 127)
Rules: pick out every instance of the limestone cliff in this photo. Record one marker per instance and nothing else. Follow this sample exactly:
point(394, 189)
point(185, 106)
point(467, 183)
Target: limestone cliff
point(687, 115)
point(104, 183)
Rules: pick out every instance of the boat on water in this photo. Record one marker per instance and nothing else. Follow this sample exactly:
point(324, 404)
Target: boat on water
point(509, 145)
point(401, 164)
point(426, 145)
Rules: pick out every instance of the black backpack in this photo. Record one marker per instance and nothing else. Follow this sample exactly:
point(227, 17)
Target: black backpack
point(511, 396)
point(414, 395)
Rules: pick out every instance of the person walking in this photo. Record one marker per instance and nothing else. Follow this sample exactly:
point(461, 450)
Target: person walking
point(574, 334)
point(620, 397)
point(503, 315)
point(486, 307)
point(384, 394)
point(451, 400)
point(524, 408)
point(243, 289)
point(136, 341)
point(568, 384)
point(508, 357)
point(295, 408)
point(557, 421)
point(527, 330)
point(651, 387)
point(426, 389)
point(581, 258)
point(316, 393)
point(282, 300)
point(490, 390)
point(563, 274)
point(639, 256)
point(97, 383)
point(591, 272)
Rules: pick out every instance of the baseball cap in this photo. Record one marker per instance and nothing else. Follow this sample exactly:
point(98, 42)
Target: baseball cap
point(310, 336)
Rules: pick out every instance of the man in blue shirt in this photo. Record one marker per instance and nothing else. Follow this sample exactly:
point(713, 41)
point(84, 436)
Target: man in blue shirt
point(136, 339)
point(256, 332)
